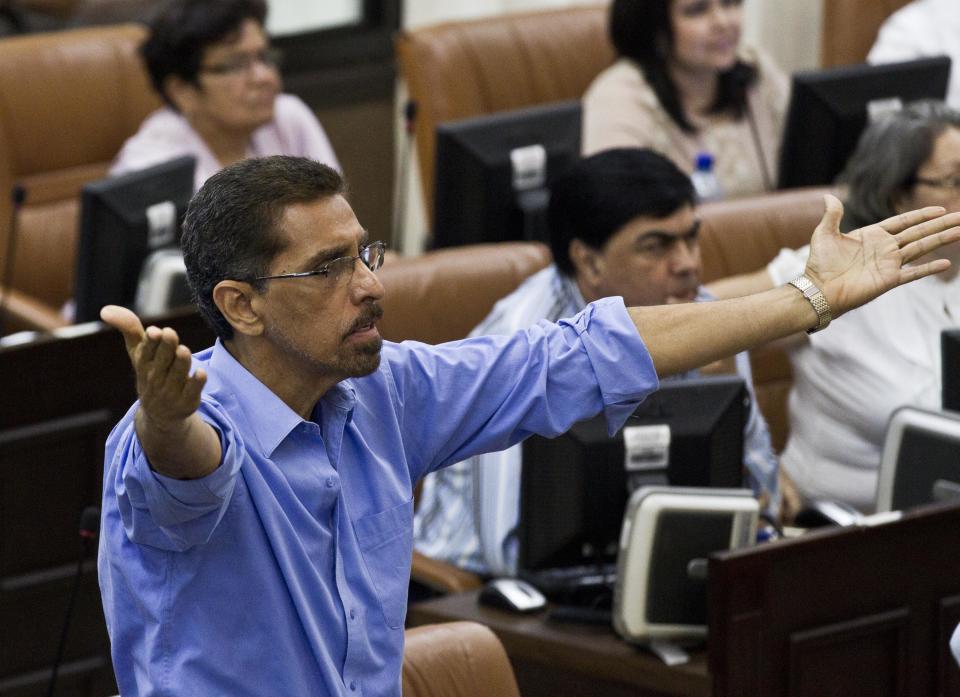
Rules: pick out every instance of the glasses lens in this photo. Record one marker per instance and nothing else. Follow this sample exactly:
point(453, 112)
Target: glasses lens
point(272, 57)
point(372, 255)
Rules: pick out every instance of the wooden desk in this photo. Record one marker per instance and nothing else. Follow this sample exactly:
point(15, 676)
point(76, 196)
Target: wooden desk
point(570, 660)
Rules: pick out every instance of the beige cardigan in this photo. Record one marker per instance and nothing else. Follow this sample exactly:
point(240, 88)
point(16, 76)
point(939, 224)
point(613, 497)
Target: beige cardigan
point(620, 110)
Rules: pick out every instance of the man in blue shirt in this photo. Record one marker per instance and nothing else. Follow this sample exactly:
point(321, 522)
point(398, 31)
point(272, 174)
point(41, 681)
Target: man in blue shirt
point(622, 223)
point(257, 505)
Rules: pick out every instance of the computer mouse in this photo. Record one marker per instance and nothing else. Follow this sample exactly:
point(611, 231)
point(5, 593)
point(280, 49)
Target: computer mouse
point(512, 594)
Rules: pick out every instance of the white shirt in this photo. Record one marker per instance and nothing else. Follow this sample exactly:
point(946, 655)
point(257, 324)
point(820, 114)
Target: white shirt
point(166, 134)
point(924, 28)
point(850, 378)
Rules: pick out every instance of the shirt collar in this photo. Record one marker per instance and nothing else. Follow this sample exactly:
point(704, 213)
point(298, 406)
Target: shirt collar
point(270, 419)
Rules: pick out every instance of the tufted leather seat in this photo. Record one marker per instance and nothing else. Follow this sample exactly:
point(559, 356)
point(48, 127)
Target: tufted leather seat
point(68, 100)
point(476, 67)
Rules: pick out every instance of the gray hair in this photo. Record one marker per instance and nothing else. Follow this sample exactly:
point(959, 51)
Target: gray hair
point(891, 150)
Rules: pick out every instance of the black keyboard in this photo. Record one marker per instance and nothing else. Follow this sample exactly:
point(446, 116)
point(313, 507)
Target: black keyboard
point(562, 583)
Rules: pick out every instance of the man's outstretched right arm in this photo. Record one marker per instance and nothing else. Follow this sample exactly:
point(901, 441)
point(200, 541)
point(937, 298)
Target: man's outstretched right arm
point(178, 443)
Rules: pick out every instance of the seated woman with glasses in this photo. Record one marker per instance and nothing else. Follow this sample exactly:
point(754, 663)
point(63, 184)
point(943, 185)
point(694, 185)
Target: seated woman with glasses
point(211, 62)
point(886, 354)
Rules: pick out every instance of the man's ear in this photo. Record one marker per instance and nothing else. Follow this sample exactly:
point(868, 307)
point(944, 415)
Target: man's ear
point(182, 93)
point(237, 302)
point(587, 265)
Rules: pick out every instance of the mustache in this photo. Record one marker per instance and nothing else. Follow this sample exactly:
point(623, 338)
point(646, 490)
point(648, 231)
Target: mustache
point(372, 313)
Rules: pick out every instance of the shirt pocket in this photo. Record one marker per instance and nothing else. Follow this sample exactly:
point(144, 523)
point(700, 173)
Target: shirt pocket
point(386, 542)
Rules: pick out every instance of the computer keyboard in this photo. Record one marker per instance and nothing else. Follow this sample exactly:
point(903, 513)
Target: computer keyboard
point(565, 582)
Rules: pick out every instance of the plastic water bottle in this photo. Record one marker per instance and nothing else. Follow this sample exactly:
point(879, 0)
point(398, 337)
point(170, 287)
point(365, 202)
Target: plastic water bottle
point(705, 182)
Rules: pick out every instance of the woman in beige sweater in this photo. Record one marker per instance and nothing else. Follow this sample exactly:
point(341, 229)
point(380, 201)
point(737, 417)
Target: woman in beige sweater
point(683, 85)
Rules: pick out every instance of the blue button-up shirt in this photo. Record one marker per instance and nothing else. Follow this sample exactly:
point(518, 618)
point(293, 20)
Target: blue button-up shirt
point(285, 571)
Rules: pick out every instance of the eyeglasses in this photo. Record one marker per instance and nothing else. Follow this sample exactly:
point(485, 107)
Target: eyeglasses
point(949, 182)
point(242, 63)
point(341, 269)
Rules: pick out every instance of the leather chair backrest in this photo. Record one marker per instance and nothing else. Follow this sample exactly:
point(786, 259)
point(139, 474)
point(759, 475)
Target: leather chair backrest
point(440, 296)
point(849, 28)
point(742, 235)
point(462, 69)
point(462, 659)
point(68, 100)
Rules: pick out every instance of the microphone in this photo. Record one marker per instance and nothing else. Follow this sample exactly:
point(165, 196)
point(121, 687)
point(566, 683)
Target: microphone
point(17, 197)
point(89, 529)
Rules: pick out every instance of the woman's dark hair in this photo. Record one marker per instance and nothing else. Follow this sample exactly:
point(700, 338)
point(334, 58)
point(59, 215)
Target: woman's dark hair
point(595, 197)
point(230, 230)
point(641, 31)
point(183, 29)
point(884, 164)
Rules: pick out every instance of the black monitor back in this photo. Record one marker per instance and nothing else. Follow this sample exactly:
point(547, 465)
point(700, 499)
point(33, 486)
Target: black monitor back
point(574, 488)
point(950, 369)
point(829, 110)
point(474, 197)
point(115, 238)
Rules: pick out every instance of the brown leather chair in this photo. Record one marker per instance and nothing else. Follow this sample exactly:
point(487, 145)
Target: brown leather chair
point(849, 28)
point(456, 659)
point(470, 68)
point(68, 100)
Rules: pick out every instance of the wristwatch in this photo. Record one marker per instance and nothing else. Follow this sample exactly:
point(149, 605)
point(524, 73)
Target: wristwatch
point(816, 298)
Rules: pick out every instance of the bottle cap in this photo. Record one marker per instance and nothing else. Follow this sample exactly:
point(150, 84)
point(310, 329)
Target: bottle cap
point(704, 162)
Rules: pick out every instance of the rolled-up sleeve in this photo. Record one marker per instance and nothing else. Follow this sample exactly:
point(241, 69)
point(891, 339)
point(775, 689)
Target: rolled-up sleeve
point(487, 393)
point(167, 513)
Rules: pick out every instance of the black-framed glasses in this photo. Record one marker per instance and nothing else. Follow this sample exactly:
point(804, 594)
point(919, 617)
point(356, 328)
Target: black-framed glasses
point(341, 268)
point(951, 181)
point(241, 63)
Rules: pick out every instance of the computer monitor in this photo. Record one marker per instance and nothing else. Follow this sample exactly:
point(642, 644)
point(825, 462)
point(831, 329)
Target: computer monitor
point(921, 459)
point(493, 172)
point(574, 488)
point(830, 108)
point(950, 369)
point(123, 220)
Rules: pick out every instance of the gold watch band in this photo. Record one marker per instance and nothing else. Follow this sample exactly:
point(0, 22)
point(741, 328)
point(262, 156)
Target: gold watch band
point(813, 294)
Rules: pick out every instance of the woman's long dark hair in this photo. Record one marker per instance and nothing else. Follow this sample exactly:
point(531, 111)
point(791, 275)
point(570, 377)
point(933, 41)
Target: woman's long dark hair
point(641, 31)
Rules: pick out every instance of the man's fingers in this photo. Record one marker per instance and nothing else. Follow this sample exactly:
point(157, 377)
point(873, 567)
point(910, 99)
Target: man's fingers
point(912, 273)
point(832, 214)
point(901, 222)
point(163, 356)
point(925, 245)
point(180, 368)
point(929, 227)
point(124, 321)
point(193, 387)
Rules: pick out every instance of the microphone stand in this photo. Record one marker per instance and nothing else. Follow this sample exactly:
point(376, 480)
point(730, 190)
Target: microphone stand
point(89, 528)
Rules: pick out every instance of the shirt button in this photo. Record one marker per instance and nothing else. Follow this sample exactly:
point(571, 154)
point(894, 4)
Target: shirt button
point(329, 482)
point(353, 686)
point(353, 614)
